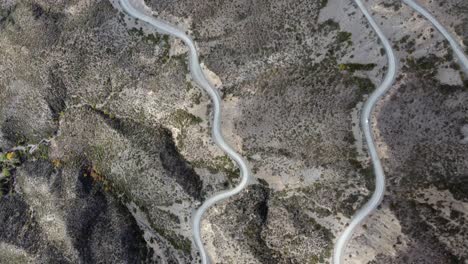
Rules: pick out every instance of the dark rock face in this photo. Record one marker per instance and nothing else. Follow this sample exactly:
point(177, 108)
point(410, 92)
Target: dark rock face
point(100, 228)
point(18, 225)
point(57, 94)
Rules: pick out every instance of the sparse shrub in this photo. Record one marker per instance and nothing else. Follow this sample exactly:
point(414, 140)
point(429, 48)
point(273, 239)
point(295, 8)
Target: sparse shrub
point(343, 36)
point(352, 67)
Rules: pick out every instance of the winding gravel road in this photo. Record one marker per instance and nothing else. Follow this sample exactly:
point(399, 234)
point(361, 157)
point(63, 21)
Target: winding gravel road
point(201, 80)
point(376, 198)
point(462, 58)
point(199, 77)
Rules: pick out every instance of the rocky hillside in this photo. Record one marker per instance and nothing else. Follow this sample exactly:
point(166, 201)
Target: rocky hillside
point(106, 147)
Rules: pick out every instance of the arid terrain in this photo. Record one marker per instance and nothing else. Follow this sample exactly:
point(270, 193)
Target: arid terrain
point(106, 149)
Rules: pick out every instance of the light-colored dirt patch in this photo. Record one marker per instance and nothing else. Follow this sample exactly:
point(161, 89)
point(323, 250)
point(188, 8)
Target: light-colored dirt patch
point(211, 76)
point(12, 255)
point(449, 76)
point(464, 131)
point(380, 234)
